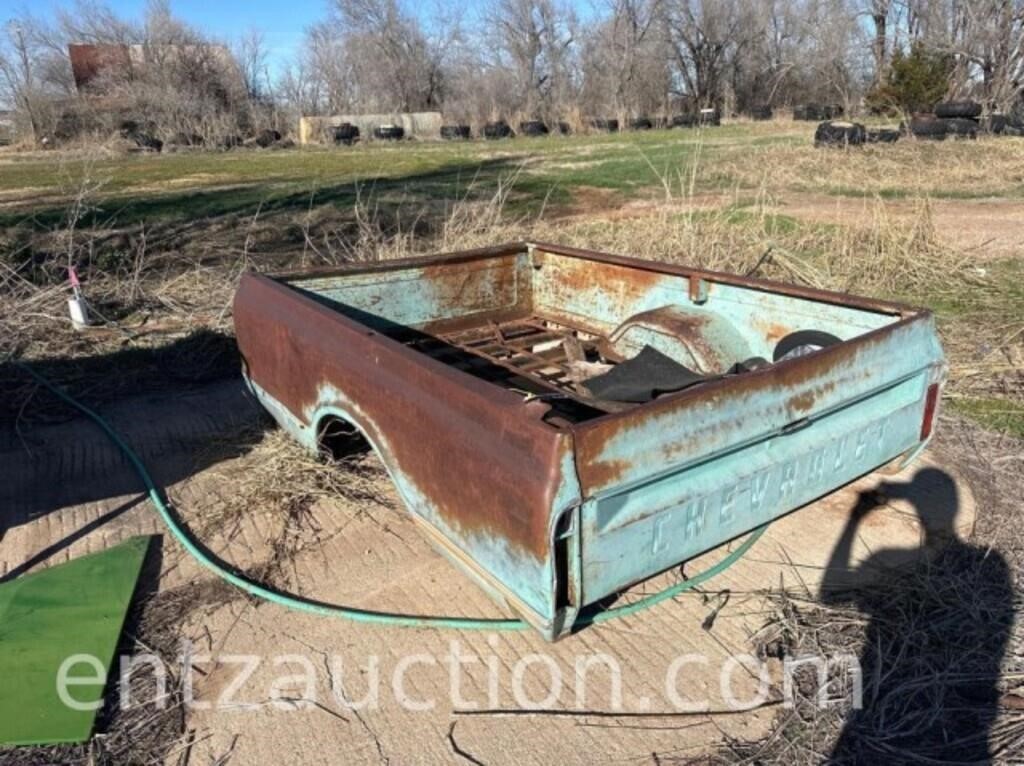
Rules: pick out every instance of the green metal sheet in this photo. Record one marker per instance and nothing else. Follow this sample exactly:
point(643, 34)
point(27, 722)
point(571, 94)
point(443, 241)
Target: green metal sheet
point(77, 608)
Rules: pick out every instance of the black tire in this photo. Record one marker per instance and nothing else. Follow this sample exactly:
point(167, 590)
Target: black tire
point(389, 132)
point(803, 339)
point(146, 141)
point(608, 126)
point(761, 113)
point(455, 132)
point(927, 127)
point(958, 109)
point(346, 134)
point(838, 133)
point(533, 128)
point(961, 127)
point(640, 123)
point(499, 129)
point(996, 124)
point(266, 138)
point(883, 136)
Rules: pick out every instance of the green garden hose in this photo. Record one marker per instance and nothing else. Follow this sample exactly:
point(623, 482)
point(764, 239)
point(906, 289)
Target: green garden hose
point(364, 615)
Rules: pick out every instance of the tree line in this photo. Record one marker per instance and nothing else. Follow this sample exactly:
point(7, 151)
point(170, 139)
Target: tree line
point(524, 59)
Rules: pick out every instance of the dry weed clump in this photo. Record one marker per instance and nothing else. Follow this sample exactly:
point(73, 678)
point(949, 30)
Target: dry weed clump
point(280, 477)
point(288, 488)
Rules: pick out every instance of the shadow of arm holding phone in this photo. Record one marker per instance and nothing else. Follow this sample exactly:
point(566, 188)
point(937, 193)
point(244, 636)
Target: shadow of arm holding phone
point(938, 625)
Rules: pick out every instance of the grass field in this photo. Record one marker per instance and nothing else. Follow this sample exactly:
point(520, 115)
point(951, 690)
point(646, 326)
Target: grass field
point(162, 238)
point(549, 171)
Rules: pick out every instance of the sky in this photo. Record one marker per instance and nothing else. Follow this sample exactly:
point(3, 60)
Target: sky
point(282, 22)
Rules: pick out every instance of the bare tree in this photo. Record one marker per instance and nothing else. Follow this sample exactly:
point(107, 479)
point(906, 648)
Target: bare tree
point(389, 52)
point(705, 36)
point(251, 55)
point(994, 46)
point(298, 88)
point(624, 61)
point(534, 39)
point(20, 83)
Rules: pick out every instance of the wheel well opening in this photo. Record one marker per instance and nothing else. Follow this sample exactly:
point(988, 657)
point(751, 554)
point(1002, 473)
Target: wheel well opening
point(337, 439)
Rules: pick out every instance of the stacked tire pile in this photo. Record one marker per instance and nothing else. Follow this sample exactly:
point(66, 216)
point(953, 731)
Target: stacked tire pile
point(844, 133)
point(957, 119)
point(702, 118)
point(498, 129)
point(961, 119)
point(605, 125)
point(533, 128)
point(817, 112)
point(455, 132)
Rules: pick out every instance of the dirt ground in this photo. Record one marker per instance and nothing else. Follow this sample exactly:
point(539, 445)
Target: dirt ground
point(69, 492)
point(988, 229)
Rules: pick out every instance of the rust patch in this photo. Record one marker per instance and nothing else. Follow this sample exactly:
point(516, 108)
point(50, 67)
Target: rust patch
point(773, 332)
point(688, 328)
point(802, 402)
point(805, 401)
point(486, 462)
point(88, 62)
point(582, 276)
point(606, 473)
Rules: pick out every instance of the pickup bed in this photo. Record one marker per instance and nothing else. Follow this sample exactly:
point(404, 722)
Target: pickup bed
point(565, 423)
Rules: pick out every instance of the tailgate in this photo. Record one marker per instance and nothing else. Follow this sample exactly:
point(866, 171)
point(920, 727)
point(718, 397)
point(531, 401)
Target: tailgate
point(673, 478)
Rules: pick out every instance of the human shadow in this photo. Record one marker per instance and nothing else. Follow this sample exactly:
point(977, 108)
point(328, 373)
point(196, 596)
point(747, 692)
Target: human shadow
point(935, 641)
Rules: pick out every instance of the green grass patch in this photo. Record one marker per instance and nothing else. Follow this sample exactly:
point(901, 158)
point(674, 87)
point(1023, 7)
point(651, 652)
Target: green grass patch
point(187, 186)
point(769, 224)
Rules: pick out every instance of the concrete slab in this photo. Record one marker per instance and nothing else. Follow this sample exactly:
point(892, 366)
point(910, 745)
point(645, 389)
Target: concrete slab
point(614, 692)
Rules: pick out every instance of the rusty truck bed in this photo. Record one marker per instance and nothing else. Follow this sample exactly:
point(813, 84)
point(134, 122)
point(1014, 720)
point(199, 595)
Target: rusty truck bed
point(473, 376)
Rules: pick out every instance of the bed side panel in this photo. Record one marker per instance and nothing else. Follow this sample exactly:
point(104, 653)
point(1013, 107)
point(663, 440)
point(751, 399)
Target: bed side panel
point(600, 295)
point(472, 460)
point(420, 295)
